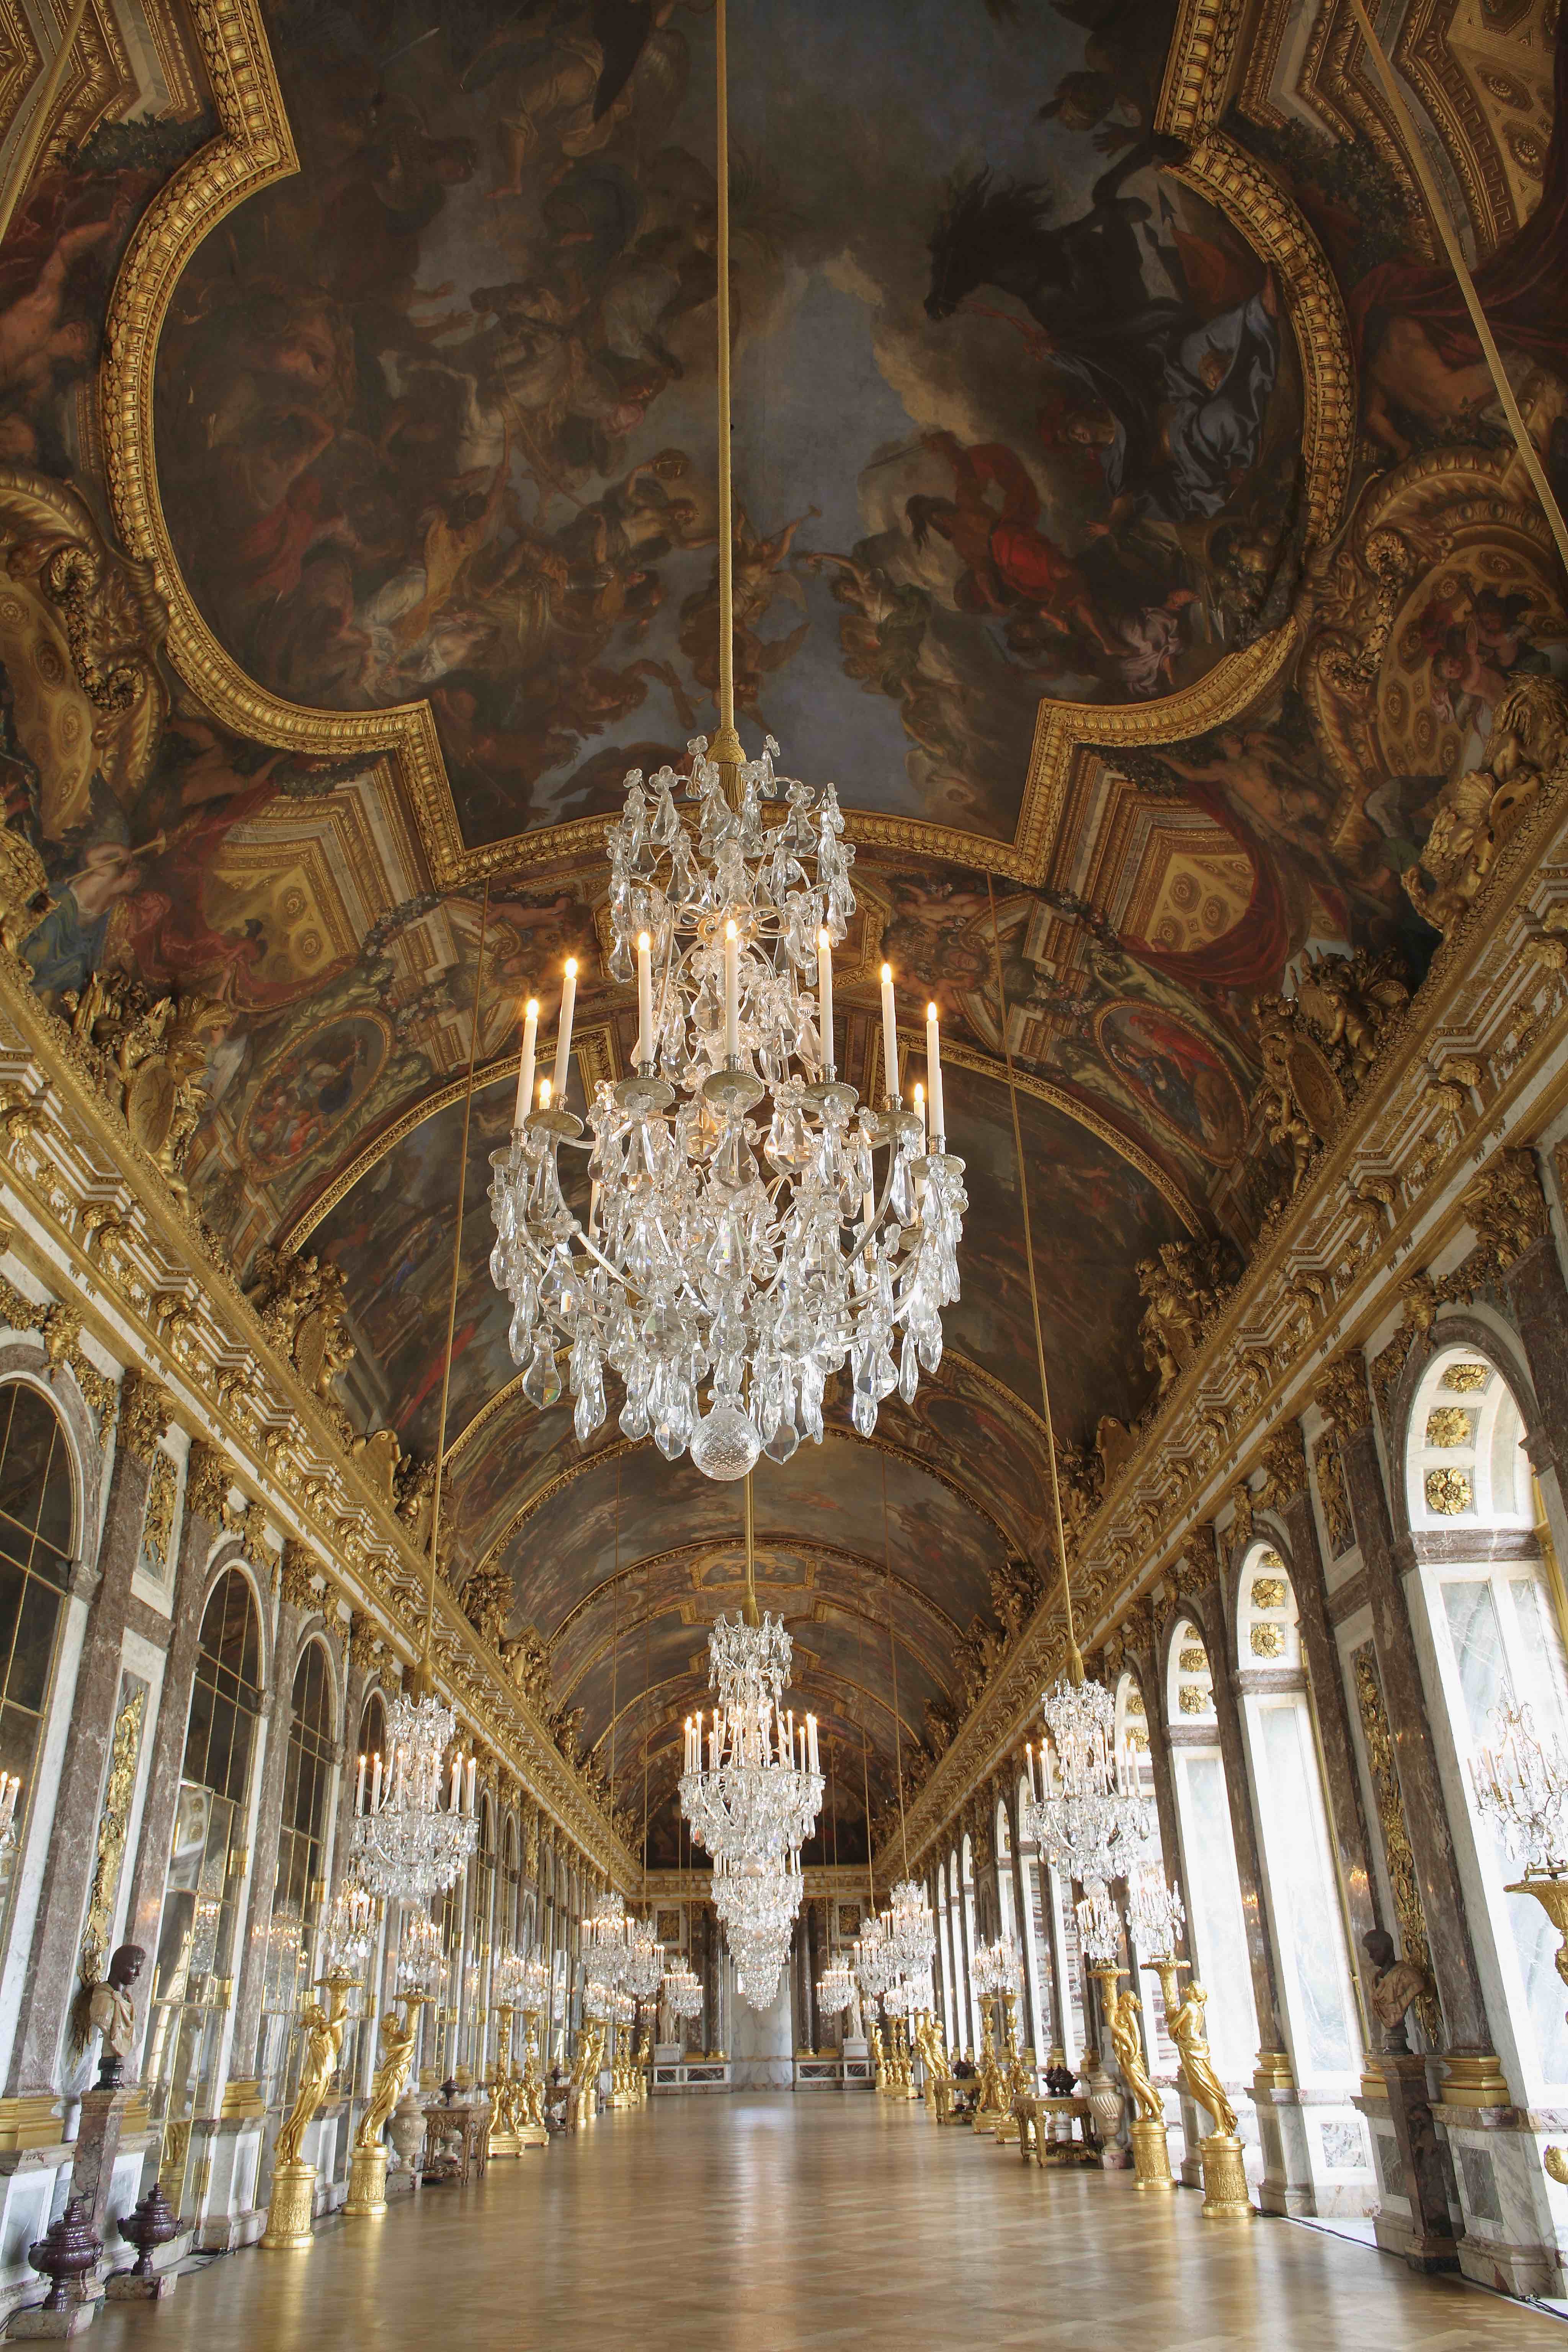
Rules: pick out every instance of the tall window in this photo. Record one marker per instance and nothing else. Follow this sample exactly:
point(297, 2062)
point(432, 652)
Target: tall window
point(37, 1537)
point(301, 1885)
point(1132, 1725)
point(1303, 1893)
point(1497, 1634)
point(192, 1974)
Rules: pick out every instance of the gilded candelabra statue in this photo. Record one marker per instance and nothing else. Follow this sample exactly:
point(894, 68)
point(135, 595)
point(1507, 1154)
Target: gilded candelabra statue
point(1226, 2197)
point(938, 2073)
point(988, 2090)
point(504, 2089)
point(1151, 2150)
point(367, 2163)
point(528, 2120)
point(582, 2102)
point(878, 2065)
point(1013, 2083)
point(290, 2208)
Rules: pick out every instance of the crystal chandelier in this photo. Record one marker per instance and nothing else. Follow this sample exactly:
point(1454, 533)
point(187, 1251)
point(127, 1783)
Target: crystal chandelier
point(1522, 1784)
point(999, 1969)
point(1094, 1825)
point(701, 1262)
point(422, 1967)
point(682, 1991)
point(644, 1970)
point(912, 1929)
point(407, 1843)
point(1098, 1927)
point(1155, 1916)
point(507, 1982)
point(351, 1931)
point(605, 1947)
point(534, 1987)
point(836, 1987)
point(875, 1967)
point(752, 1788)
point(599, 1998)
point(759, 1954)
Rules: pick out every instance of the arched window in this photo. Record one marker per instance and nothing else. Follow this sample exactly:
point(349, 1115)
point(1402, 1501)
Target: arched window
point(38, 1539)
point(194, 1970)
point(300, 1887)
point(1486, 1578)
point(1216, 1921)
point(1132, 1727)
point(1293, 1830)
point(971, 1998)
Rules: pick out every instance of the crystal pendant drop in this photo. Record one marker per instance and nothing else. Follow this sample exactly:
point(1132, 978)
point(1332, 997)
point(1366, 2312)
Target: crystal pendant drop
point(725, 1444)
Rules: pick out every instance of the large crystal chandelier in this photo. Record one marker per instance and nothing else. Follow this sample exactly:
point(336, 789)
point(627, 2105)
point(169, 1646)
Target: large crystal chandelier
point(912, 1929)
point(752, 1225)
point(644, 1970)
point(413, 1833)
point(875, 1966)
point(605, 1946)
point(1094, 1825)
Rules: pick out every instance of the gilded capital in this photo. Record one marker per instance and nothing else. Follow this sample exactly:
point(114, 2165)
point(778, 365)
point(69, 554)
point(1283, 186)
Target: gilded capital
point(1341, 1393)
point(146, 1409)
point(207, 1482)
point(1284, 1467)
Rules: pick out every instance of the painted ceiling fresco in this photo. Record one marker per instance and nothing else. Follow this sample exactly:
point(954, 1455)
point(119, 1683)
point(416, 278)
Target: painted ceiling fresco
point(1128, 523)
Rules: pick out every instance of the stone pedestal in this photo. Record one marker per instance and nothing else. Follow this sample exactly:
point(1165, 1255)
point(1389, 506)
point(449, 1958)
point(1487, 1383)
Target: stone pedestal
point(125, 2287)
point(291, 2209)
point(1226, 2197)
point(367, 2183)
point(96, 2145)
point(72, 2321)
point(1430, 2235)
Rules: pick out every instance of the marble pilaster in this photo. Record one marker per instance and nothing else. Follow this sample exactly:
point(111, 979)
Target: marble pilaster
point(278, 1716)
point(51, 1973)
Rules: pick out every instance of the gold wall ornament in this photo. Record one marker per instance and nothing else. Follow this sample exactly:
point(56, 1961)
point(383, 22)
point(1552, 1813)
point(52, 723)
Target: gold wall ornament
point(1183, 1286)
point(1465, 1379)
point(1398, 1859)
point(1448, 1491)
point(297, 1571)
point(1318, 1047)
point(158, 1516)
point(1449, 1425)
point(113, 1824)
point(1330, 1473)
point(1267, 1641)
point(146, 1411)
point(208, 1477)
point(303, 1304)
point(1284, 1467)
point(1268, 1592)
point(1476, 814)
point(149, 1055)
point(1341, 1392)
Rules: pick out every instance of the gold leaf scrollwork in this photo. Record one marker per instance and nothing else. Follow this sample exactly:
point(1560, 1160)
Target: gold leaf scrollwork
point(113, 1823)
point(1396, 1853)
point(158, 1518)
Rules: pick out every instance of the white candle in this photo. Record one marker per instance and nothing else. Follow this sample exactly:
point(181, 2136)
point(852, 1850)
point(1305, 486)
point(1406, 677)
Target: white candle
point(933, 1074)
point(544, 1094)
point(563, 1030)
point(473, 1776)
point(525, 1067)
point(645, 999)
point(824, 995)
point(359, 1789)
point(811, 1721)
point(697, 1744)
point(375, 1784)
point(869, 1209)
point(732, 992)
point(456, 1778)
point(889, 1038)
point(920, 1104)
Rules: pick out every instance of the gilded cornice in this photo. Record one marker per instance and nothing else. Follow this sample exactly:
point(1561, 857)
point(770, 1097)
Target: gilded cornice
point(1198, 68)
point(92, 1213)
point(1382, 1197)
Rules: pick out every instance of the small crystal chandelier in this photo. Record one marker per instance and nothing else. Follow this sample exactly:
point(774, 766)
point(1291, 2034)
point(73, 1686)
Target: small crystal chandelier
point(875, 1967)
point(682, 1991)
point(1098, 1927)
point(1155, 1916)
point(422, 1967)
point(599, 2000)
point(533, 1988)
point(351, 1931)
point(1522, 1784)
point(698, 1262)
point(999, 1969)
point(407, 1844)
point(1095, 1824)
point(644, 1970)
point(507, 1981)
point(836, 1987)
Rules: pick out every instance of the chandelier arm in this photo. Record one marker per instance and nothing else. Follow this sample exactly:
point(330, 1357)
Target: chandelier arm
point(893, 1656)
point(456, 1272)
point(1075, 1662)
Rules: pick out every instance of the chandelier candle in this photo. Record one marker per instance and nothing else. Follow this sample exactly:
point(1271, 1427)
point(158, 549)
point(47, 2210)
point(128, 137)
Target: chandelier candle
point(563, 1032)
point(645, 1001)
point(933, 1081)
point(889, 1039)
point(825, 1001)
point(525, 1067)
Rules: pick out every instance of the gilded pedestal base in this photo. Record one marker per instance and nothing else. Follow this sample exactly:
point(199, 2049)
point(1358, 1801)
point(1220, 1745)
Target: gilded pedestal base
point(986, 2119)
point(529, 2136)
point(1226, 2197)
point(1006, 2129)
point(291, 2209)
point(367, 2184)
point(1152, 2154)
point(505, 2143)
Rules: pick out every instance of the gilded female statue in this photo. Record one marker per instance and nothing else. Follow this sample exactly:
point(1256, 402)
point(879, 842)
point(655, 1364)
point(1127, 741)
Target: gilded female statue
point(1128, 2044)
point(323, 2045)
point(1185, 2027)
point(397, 2042)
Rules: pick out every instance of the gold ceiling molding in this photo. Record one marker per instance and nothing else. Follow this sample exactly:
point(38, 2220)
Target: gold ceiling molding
point(254, 148)
point(1488, 997)
point(1423, 55)
point(1198, 66)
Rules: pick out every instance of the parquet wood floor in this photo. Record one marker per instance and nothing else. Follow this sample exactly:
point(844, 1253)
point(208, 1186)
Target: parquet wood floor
point(764, 2224)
